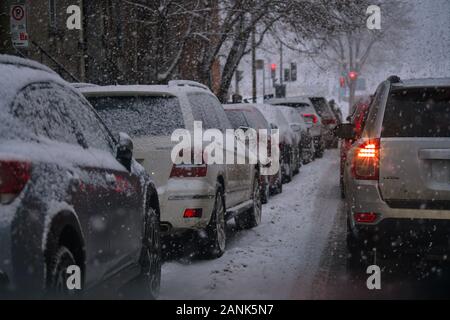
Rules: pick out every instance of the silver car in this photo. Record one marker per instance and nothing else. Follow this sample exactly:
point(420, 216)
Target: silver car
point(397, 175)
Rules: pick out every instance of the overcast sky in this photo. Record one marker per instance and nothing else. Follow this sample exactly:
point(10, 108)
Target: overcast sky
point(423, 52)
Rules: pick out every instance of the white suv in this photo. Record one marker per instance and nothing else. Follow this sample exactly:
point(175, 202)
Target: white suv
point(192, 197)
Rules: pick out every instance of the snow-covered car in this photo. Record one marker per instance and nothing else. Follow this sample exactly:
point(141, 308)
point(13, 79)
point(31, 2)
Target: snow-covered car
point(71, 195)
point(329, 120)
point(301, 129)
point(193, 197)
point(248, 116)
point(312, 118)
point(288, 146)
point(397, 173)
point(358, 120)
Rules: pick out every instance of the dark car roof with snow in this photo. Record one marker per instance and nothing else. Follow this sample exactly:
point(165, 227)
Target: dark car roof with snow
point(17, 73)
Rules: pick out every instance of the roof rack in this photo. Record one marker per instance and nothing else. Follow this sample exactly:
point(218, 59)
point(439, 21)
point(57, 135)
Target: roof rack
point(80, 85)
point(187, 83)
point(394, 79)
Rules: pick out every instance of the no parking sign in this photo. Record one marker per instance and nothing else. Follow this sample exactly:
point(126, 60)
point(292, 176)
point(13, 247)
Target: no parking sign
point(18, 18)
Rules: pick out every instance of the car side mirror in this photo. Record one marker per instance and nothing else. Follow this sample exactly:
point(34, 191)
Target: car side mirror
point(125, 150)
point(345, 131)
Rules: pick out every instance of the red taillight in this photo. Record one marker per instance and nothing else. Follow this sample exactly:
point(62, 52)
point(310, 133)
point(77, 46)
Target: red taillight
point(192, 213)
point(14, 175)
point(366, 162)
point(365, 217)
point(188, 171)
point(312, 116)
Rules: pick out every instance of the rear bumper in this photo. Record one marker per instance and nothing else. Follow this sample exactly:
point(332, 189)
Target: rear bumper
point(187, 194)
point(410, 230)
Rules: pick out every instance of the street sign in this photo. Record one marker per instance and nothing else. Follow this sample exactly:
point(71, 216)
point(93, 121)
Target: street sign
point(18, 20)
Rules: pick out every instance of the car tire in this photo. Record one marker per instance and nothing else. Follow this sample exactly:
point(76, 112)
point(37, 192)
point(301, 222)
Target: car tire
point(149, 281)
point(289, 175)
point(358, 256)
point(56, 281)
point(252, 217)
point(279, 186)
point(342, 188)
point(213, 245)
point(265, 191)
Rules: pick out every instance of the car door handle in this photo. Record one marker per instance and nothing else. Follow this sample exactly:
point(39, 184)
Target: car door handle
point(434, 154)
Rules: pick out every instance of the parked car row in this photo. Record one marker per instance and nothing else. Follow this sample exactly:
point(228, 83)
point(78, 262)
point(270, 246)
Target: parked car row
point(88, 180)
point(395, 171)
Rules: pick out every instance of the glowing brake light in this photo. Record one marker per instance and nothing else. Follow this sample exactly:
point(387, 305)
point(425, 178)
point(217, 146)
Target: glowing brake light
point(192, 213)
point(366, 163)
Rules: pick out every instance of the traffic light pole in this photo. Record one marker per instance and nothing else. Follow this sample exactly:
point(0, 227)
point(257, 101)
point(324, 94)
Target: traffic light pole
point(254, 91)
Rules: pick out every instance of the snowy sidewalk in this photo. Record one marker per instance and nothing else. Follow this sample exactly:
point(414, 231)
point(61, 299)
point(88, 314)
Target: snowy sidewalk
point(279, 258)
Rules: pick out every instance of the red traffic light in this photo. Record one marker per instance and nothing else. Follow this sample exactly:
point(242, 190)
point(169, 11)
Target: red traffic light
point(353, 75)
point(273, 67)
point(342, 82)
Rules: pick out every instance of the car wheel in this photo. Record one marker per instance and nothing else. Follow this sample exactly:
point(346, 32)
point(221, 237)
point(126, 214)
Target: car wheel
point(279, 187)
point(288, 173)
point(57, 276)
point(215, 242)
point(358, 256)
point(342, 188)
point(150, 278)
point(265, 190)
point(252, 217)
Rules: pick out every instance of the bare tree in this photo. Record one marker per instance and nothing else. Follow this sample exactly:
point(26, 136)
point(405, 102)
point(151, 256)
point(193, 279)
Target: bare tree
point(351, 48)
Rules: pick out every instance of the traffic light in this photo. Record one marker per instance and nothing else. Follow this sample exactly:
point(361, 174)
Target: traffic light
point(342, 82)
point(273, 69)
point(293, 71)
point(353, 75)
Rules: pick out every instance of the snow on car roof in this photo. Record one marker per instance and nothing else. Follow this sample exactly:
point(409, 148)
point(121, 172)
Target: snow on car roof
point(425, 82)
point(17, 73)
point(298, 99)
point(137, 89)
point(18, 61)
point(240, 106)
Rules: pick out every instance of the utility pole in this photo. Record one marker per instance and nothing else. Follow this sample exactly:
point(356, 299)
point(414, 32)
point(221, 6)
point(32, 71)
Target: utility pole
point(254, 92)
point(281, 63)
point(5, 33)
point(236, 78)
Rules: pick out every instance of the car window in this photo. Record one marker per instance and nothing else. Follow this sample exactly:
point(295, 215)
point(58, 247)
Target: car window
point(44, 110)
point(237, 118)
point(92, 128)
point(321, 107)
point(207, 108)
point(417, 113)
point(256, 119)
point(140, 115)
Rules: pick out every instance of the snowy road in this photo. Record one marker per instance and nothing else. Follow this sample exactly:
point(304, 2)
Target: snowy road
point(278, 259)
point(298, 252)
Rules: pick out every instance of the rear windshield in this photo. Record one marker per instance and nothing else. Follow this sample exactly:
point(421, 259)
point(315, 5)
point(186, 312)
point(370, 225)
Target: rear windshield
point(418, 113)
point(236, 118)
point(321, 107)
point(140, 115)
